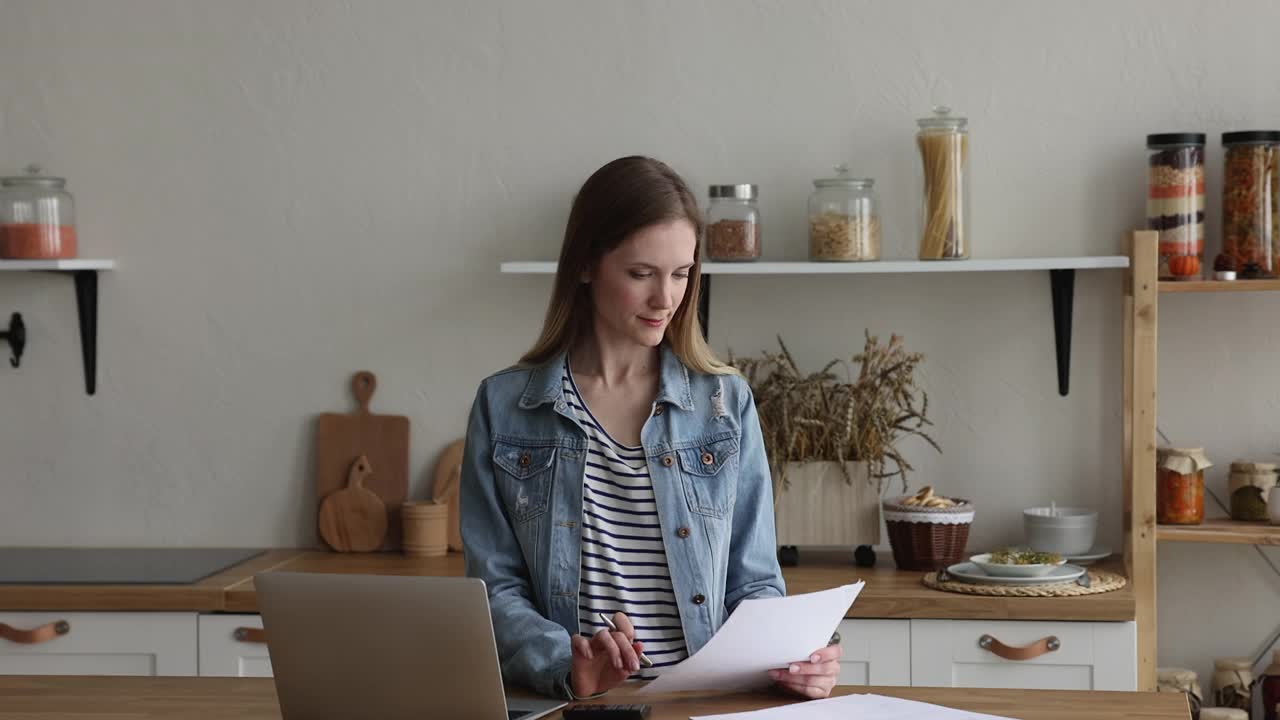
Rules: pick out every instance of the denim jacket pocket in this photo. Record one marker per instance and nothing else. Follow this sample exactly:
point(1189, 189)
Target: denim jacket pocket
point(709, 471)
point(524, 477)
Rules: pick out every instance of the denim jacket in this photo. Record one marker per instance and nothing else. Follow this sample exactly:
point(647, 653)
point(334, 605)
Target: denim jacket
point(522, 477)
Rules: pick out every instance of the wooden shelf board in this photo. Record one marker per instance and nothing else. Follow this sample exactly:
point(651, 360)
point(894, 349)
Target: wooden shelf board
point(1204, 286)
point(1222, 531)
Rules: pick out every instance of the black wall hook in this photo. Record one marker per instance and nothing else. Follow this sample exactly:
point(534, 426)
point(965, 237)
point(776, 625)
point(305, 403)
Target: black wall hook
point(17, 337)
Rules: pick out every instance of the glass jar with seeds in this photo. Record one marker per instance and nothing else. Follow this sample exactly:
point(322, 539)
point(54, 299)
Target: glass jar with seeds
point(733, 223)
point(944, 156)
point(844, 219)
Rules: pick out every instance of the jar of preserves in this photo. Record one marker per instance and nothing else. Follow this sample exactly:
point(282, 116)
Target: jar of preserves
point(1271, 687)
point(1180, 485)
point(1233, 683)
point(943, 140)
point(1250, 485)
point(844, 220)
point(37, 217)
point(1250, 191)
point(1175, 202)
point(733, 223)
point(1183, 681)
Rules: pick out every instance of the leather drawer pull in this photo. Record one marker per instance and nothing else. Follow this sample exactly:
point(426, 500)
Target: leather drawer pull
point(1034, 650)
point(250, 635)
point(44, 633)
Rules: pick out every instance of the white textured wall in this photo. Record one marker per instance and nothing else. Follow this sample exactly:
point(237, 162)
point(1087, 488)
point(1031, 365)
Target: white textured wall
point(295, 190)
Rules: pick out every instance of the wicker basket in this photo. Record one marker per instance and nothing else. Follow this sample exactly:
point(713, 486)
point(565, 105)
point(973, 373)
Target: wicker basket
point(924, 538)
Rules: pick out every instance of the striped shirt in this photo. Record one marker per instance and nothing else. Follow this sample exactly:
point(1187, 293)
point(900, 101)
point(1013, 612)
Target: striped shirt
point(624, 564)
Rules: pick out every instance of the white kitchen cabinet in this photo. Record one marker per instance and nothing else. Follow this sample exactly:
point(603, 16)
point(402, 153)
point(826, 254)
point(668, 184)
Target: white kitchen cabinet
point(1088, 655)
point(875, 652)
point(102, 643)
point(230, 647)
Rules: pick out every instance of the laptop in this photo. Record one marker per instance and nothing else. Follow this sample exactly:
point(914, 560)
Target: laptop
point(385, 646)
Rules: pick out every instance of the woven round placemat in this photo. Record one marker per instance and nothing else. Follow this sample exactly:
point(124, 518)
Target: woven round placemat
point(1100, 581)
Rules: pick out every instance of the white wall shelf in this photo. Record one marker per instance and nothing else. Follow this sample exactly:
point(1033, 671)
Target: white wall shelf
point(85, 274)
point(1062, 273)
point(56, 265)
point(1100, 262)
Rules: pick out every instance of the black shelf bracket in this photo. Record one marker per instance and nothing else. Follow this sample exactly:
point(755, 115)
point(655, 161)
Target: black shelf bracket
point(86, 283)
point(1062, 285)
point(704, 305)
point(16, 336)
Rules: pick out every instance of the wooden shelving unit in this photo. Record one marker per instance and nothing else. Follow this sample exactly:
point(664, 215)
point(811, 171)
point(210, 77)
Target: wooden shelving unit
point(1204, 286)
point(1221, 531)
point(1142, 533)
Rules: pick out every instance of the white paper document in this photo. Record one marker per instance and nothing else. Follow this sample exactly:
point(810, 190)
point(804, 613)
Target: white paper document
point(862, 707)
point(759, 636)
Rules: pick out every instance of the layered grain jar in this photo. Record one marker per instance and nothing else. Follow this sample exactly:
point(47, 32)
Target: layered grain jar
point(1175, 202)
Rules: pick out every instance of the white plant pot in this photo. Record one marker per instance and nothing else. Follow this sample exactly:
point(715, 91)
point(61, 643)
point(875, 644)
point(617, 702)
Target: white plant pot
point(821, 508)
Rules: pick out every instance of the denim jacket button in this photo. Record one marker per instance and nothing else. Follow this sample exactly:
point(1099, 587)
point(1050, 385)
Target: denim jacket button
point(666, 461)
point(708, 458)
point(682, 532)
point(524, 460)
point(657, 410)
point(699, 599)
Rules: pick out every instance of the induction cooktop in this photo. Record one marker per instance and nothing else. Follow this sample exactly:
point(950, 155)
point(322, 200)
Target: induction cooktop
point(116, 566)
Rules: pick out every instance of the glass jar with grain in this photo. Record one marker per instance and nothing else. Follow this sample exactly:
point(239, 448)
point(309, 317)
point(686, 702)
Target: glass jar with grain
point(733, 223)
point(1180, 485)
point(844, 219)
point(37, 217)
point(1250, 193)
point(1175, 202)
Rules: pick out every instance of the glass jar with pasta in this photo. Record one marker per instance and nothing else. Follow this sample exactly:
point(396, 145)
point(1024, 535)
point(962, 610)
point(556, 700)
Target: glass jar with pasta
point(844, 220)
point(1250, 191)
point(943, 140)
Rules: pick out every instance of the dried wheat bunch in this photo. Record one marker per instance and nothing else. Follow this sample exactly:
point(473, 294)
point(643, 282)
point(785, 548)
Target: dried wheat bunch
point(821, 417)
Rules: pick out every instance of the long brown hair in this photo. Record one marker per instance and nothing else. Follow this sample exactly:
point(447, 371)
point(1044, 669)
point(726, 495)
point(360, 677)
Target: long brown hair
point(624, 196)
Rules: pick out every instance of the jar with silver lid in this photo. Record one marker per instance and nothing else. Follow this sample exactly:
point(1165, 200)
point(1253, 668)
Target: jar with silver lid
point(844, 219)
point(733, 223)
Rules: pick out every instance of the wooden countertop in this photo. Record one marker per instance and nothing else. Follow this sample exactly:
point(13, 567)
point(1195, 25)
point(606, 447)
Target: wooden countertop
point(145, 698)
point(890, 593)
point(207, 595)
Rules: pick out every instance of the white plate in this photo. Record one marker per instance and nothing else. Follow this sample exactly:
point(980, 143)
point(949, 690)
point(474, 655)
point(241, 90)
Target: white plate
point(970, 573)
point(984, 563)
point(1094, 555)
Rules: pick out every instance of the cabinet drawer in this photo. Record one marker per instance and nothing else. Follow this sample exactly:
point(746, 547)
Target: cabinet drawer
point(1086, 655)
point(102, 643)
point(875, 652)
point(227, 651)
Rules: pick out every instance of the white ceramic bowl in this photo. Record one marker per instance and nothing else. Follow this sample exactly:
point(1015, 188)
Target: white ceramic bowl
point(1068, 531)
point(1008, 570)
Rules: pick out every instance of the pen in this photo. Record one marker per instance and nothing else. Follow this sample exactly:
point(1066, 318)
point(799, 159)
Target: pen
point(644, 661)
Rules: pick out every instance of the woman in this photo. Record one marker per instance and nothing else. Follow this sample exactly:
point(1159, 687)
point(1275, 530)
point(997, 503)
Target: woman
point(619, 469)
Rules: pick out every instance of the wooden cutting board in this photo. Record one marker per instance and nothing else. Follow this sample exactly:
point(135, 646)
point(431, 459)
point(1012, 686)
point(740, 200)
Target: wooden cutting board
point(383, 439)
point(354, 519)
